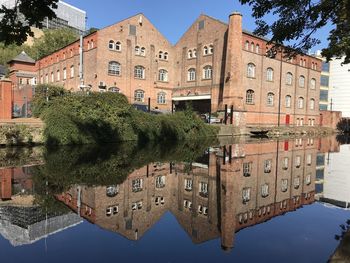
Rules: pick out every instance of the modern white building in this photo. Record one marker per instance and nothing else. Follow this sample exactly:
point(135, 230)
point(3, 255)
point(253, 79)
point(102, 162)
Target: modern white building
point(339, 87)
point(68, 16)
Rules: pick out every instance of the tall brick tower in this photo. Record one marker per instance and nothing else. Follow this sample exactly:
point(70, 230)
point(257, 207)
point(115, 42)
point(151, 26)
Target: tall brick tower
point(233, 94)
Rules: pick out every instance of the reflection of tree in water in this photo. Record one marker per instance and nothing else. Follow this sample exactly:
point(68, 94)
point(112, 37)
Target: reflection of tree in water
point(342, 253)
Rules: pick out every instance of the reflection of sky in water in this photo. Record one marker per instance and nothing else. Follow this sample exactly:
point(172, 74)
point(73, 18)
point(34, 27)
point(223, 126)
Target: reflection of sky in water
point(304, 235)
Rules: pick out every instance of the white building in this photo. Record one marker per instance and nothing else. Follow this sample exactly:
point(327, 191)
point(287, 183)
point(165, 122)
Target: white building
point(339, 87)
point(68, 16)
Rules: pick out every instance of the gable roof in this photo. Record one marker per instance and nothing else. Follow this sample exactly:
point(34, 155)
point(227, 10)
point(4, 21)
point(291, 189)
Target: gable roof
point(23, 57)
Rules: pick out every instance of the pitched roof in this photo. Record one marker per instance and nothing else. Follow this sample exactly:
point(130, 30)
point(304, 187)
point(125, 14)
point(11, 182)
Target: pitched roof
point(23, 57)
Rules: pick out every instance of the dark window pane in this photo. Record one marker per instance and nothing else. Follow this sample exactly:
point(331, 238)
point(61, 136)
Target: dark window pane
point(324, 95)
point(320, 174)
point(320, 159)
point(132, 30)
point(324, 81)
point(201, 24)
point(323, 107)
point(325, 66)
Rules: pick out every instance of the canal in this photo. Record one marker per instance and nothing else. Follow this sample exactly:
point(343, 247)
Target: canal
point(257, 200)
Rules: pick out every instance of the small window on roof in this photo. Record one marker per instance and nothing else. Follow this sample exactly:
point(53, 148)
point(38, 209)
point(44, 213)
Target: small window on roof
point(132, 30)
point(201, 24)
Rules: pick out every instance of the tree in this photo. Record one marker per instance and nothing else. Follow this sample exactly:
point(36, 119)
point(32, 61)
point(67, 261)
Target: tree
point(16, 21)
point(51, 41)
point(298, 20)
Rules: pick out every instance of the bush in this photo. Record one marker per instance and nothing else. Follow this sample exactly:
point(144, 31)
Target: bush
point(108, 117)
point(344, 125)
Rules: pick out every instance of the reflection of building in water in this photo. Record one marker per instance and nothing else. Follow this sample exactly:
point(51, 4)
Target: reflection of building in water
point(21, 221)
point(234, 187)
point(332, 176)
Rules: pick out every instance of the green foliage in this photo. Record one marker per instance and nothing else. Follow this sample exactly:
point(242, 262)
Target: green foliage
point(108, 117)
point(51, 41)
point(15, 29)
point(15, 135)
point(298, 20)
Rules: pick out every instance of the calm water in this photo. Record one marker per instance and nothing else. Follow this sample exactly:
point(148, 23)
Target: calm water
point(253, 201)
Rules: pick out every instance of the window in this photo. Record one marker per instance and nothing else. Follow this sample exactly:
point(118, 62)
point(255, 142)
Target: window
point(188, 204)
point(64, 73)
point(247, 169)
point(246, 194)
point(112, 190)
point(251, 70)
point(205, 50)
point(159, 199)
point(161, 98)
point(191, 74)
point(324, 95)
point(300, 102)
point(265, 190)
point(288, 101)
point(136, 205)
point(201, 24)
point(52, 77)
point(289, 78)
point(312, 104)
point(203, 189)
point(309, 159)
point(285, 163)
point(246, 46)
point(112, 210)
point(139, 95)
point(267, 166)
point(211, 49)
point(324, 81)
point(203, 210)
point(58, 75)
point(284, 185)
point(163, 75)
point(270, 99)
point(269, 74)
point(118, 46)
point(296, 182)
point(249, 99)
point(302, 82)
point(114, 68)
point(132, 30)
point(194, 53)
point(188, 184)
point(92, 44)
point(136, 185)
point(160, 54)
point(308, 179)
point(257, 49)
point(160, 181)
point(114, 89)
point(325, 66)
point(207, 72)
point(72, 71)
point(165, 57)
point(139, 72)
point(137, 50)
point(189, 54)
point(323, 106)
point(46, 79)
point(143, 51)
point(298, 161)
point(312, 84)
point(252, 47)
point(111, 45)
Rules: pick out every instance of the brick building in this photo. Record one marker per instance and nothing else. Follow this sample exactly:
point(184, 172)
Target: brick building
point(214, 64)
point(233, 187)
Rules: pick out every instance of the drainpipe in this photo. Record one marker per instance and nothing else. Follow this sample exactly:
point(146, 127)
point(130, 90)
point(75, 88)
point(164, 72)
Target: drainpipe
point(81, 50)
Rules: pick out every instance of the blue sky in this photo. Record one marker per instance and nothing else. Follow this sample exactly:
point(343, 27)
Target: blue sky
point(172, 18)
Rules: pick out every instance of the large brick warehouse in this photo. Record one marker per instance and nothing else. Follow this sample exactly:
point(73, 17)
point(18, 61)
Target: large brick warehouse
point(213, 64)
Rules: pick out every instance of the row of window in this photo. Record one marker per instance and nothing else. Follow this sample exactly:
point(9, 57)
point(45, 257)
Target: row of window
point(250, 99)
point(207, 50)
point(58, 75)
point(203, 187)
point(202, 210)
point(252, 47)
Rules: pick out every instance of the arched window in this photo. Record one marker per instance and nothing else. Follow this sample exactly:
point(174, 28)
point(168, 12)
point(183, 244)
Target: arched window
point(160, 54)
point(312, 104)
point(110, 45)
point(191, 74)
point(114, 68)
point(265, 190)
point(166, 55)
point(161, 98)
point(249, 99)
point(194, 53)
point(139, 72)
point(114, 89)
point(92, 44)
point(257, 49)
point(118, 46)
point(139, 95)
point(269, 74)
point(289, 78)
point(270, 99)
point(211, 49)
point(251, 70)
point(189, 54)
point(163, 75)
point(143, 51)
point(64, 73)
point(137, 50)
point(288, 101)
point(300, 102)
point(246, 46)
point(72, 71)
point(205, 50)
point(313, 84)
point(58, 75)
point(252, 47)
point(301, 81)
point(207, 72)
